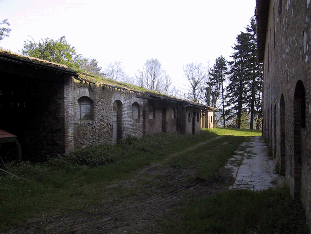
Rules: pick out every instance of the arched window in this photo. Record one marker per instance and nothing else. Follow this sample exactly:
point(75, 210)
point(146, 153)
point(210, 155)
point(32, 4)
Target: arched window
point(86, 108)
point(189, 116)
point(174, 114)
point(135, 110)
point(151, 112)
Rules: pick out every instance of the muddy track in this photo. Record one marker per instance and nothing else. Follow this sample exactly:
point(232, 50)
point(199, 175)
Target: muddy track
point(134, 205)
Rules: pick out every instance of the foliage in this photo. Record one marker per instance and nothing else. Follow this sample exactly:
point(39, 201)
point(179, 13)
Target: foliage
point(4, 31)
point(60, 51)
point(196, 74)
point(90, 66)
point(153, 77)
point(216, 86)
point(245, 77)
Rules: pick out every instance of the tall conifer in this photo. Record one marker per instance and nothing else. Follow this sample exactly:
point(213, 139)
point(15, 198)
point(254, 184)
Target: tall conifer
point(216, 85)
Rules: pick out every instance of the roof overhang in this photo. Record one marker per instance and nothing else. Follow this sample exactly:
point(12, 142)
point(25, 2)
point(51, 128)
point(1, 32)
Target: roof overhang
point(8, 57)
point(262, 16)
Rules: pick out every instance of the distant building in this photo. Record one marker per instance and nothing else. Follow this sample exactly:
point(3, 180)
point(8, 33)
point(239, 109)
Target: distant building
point(53, 109)
point(284, 42)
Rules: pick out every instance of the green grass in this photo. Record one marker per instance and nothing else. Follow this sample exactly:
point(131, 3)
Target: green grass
point(208, 158)
point(236, 132)
point(76, 181)
point(71, 182)
point(238, 211)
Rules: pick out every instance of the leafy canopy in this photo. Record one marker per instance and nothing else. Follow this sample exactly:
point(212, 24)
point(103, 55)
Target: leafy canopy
point(4, 31)
point(58, 51)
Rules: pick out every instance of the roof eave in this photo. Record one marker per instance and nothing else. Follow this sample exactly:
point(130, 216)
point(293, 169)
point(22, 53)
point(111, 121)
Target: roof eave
point(262, 16)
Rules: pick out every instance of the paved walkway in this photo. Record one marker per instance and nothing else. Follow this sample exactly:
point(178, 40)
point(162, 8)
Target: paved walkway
point(253, 169)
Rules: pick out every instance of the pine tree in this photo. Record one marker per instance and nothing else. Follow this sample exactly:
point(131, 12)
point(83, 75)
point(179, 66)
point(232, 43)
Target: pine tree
point(245, 77)
point(238, 78)
point(216, 85)
point(255, 75)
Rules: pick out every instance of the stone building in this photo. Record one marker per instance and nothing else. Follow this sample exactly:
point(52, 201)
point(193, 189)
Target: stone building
point(284, 45)
point(53, 109)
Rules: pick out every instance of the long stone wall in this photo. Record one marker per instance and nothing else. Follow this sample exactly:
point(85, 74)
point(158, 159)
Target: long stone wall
point(287, 97)
point(106, 115)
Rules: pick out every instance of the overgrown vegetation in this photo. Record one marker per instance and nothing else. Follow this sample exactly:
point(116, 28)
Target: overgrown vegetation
point(78, 181)
point(70, 182)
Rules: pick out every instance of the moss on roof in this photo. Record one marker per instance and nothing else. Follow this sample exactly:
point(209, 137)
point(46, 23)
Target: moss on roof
point(98, 80)
point(102, 81)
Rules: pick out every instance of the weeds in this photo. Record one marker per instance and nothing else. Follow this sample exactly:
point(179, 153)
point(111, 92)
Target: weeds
point(69, 182)
point(75, 181)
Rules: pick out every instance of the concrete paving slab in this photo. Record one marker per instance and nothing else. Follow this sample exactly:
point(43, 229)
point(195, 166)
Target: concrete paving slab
point(253, 169)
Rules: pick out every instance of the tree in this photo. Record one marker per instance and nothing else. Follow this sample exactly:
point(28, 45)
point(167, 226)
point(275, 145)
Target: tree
point(58, 51)
point(216, 85)
point(153, 77)
point(91, 66)
point(196, 75)
point(236, 90)
point(115, 71)
point(255, 75)
point(4, 31)
point(245, 76)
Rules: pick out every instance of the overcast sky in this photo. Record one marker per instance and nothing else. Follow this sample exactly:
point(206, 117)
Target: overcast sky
point(176, 32)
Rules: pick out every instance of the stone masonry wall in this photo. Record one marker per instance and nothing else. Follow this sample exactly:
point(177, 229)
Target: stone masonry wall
point(287, 66)
point(99, 129)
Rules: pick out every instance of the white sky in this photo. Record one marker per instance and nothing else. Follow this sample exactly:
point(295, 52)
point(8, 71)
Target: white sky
point(176, 32)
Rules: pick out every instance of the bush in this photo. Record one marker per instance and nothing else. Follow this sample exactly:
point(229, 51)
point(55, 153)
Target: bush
point(94, 156)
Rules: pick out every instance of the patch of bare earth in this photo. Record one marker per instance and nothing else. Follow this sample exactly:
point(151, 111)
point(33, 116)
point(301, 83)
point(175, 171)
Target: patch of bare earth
point(134, 205)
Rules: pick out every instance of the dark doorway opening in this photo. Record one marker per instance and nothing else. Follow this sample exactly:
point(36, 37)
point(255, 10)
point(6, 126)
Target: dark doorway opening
point(299, 124)
point(163, 119)
point(117, 122)
point(282, 136)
